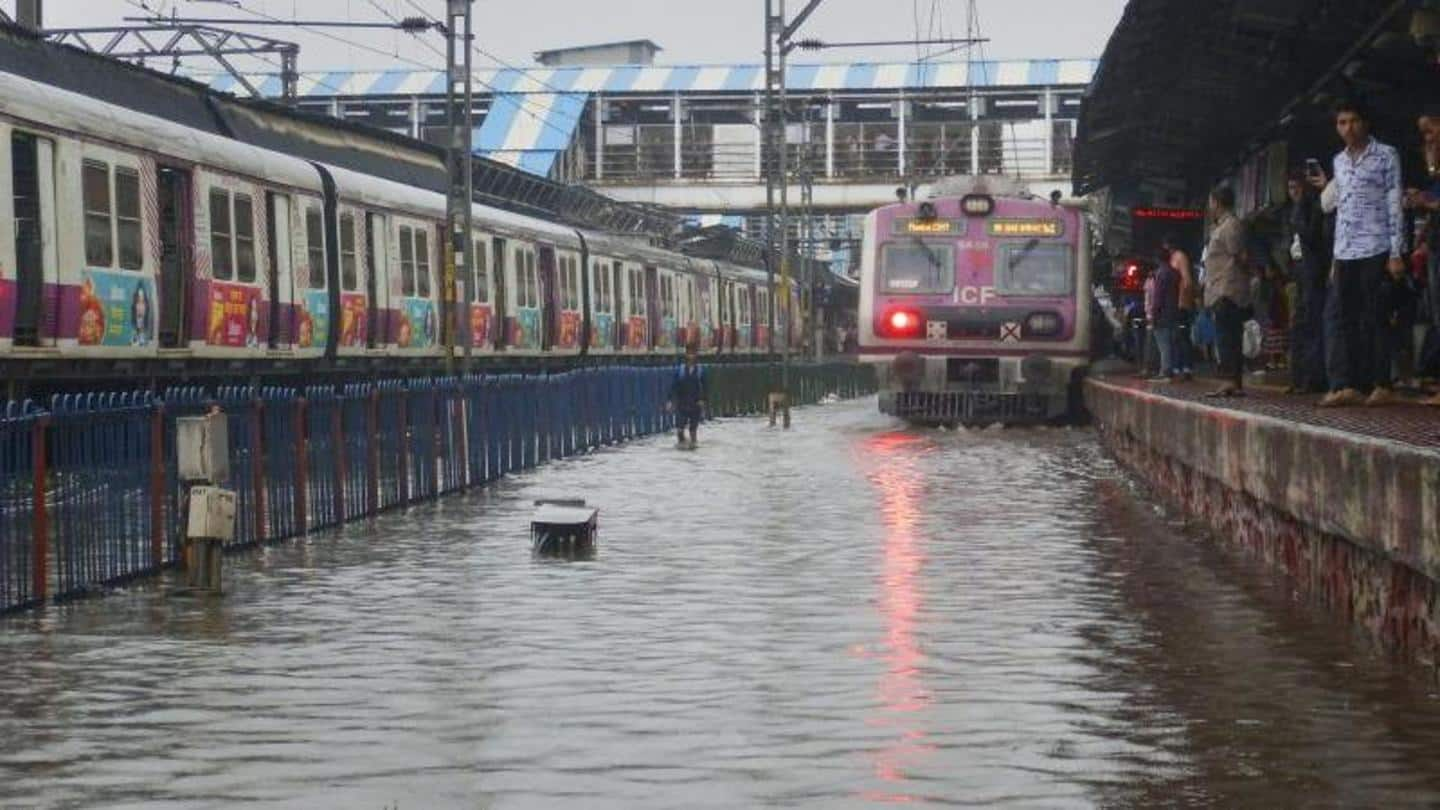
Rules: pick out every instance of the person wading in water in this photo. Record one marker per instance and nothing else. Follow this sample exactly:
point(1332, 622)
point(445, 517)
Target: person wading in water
point(687, 398)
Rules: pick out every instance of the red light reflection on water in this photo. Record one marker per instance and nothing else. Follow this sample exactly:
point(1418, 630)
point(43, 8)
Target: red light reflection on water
point(903, 697)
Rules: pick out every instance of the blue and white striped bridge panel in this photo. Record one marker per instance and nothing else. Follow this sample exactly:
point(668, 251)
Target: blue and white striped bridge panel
point(688, 78)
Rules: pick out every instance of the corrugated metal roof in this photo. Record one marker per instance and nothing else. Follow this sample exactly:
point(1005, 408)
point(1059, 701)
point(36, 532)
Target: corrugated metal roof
point(698, 78)
point(529, 130)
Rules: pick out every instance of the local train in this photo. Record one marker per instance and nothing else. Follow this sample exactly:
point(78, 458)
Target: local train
point(976, 308)
point(130, 238)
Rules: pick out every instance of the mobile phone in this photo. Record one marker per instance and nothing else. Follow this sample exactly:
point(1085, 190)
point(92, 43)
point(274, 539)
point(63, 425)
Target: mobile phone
point(1312, 167)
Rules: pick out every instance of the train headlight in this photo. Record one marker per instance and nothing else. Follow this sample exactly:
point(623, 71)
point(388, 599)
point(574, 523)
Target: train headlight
point(977, 205)
point(899, 323)
point(1043, 324)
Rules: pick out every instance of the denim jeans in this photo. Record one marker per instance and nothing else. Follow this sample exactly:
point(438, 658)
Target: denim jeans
point(1182, 355)
point(1165, 343)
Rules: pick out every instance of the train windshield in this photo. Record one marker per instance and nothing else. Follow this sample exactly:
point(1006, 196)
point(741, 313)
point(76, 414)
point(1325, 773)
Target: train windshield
point(917, 267)
point(1033, 268)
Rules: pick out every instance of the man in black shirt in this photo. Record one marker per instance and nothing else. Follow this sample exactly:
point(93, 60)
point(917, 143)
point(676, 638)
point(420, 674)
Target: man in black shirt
point(687, 398)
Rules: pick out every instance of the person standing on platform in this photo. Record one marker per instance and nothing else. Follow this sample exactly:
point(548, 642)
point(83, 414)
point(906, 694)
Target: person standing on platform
point(1227, 290)
point(1425, 202)
point(1182, 355)
point(687, 398)
point(1310, 257)
point(1165, 315)
point(1369, 246)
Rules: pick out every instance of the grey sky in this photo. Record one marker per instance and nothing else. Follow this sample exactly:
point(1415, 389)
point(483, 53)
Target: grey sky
point(690, 31)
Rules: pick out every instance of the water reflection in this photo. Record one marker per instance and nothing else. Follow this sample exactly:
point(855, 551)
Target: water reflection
point(902, 693)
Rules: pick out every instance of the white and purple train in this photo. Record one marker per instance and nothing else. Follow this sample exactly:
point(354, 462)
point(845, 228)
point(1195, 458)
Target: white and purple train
point(976, 308)
point(130, 238)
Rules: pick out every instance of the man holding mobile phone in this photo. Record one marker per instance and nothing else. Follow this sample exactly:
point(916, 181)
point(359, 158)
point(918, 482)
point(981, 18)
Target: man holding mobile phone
point(1369, 246)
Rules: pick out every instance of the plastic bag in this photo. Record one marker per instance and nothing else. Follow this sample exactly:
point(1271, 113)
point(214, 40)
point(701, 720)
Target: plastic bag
point(1253, 340)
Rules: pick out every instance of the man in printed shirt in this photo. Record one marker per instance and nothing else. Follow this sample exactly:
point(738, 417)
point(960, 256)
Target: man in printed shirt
point(1369, 244)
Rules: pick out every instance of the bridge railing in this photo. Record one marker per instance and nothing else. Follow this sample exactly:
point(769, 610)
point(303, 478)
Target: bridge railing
point(110, 505)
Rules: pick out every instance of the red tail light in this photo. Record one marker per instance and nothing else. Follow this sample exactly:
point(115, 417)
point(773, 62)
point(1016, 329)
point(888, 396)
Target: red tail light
point(900, 323)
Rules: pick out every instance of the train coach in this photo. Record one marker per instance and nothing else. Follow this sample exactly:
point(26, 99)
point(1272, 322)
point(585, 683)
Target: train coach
point(975, 308)
point(128, 241)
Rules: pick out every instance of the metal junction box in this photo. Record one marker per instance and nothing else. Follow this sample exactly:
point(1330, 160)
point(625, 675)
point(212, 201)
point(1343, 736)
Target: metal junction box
point(202, 448)
point(212, 514)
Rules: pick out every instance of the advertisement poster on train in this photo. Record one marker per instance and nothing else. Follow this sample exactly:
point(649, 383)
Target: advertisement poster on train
point(352, 319)
point(604, 330)
point(234, 316)
point(569, 330)
point(479, 324)
point(7, 308)
point(418, 325)
point(635, 337)
point(525, 329)
point(116, 309)
point(313, 328)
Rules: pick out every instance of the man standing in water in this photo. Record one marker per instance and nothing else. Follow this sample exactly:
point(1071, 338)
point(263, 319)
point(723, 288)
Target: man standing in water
point(687, 398)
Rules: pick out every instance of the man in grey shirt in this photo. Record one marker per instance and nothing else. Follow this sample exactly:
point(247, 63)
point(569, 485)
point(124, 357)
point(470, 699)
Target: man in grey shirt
point(1227, 290)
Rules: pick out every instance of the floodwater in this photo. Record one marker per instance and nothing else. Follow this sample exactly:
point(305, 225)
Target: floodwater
point(850, 614)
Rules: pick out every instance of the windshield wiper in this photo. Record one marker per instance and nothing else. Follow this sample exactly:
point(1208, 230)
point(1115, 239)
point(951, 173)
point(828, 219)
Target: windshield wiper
point(1020, 255)
point(929, 252)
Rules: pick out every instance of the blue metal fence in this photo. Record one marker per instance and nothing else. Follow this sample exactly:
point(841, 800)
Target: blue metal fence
point(99, 495)
point(301, 460)
point(18, 471)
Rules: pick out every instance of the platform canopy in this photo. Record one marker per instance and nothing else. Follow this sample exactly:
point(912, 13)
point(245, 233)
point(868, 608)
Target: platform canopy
point(1184, 87)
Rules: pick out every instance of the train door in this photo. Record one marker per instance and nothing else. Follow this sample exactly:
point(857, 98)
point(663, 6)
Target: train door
point(278, 277)
point(33, 190)
point(620, 303)
point(498, 329)
point(377, 264)
point(549, 306)
point(172, 189)
point(653, 311)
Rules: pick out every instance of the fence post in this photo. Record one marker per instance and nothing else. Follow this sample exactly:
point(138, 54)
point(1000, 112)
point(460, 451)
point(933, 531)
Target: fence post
point(337, 443)
point(257, 465)
point(372, 464)
point(404, 445)
point(437, 437)
point(40, 527)
point(157, 485)
point(302, 464)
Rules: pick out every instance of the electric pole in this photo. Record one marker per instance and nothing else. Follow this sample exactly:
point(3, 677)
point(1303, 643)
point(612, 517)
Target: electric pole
point(459, 106)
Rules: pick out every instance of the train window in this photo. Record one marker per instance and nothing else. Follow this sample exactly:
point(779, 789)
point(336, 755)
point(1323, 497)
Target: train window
point(917, 267)
point(422, 263)
point(127, 218)
point(482, 273)
point(1033, 268)
point(315, 246)
point(605, 291)
point(407, 260)
point(349, 274)
point(222, 256)
point(244, 239)
point(99, 251)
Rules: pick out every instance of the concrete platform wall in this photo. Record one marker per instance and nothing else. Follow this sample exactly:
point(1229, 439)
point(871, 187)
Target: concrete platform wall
point(1354, 521)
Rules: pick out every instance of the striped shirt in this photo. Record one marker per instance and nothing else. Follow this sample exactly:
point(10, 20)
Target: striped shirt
point(1369, 220)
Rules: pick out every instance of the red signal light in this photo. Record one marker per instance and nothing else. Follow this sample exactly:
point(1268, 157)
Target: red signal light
point(901, 323)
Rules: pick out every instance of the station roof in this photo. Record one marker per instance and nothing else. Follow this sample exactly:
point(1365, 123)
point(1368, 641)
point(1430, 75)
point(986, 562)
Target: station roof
point(1185, 86)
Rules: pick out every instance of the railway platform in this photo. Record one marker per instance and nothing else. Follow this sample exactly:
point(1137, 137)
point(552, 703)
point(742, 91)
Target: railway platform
point(1345, 502)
